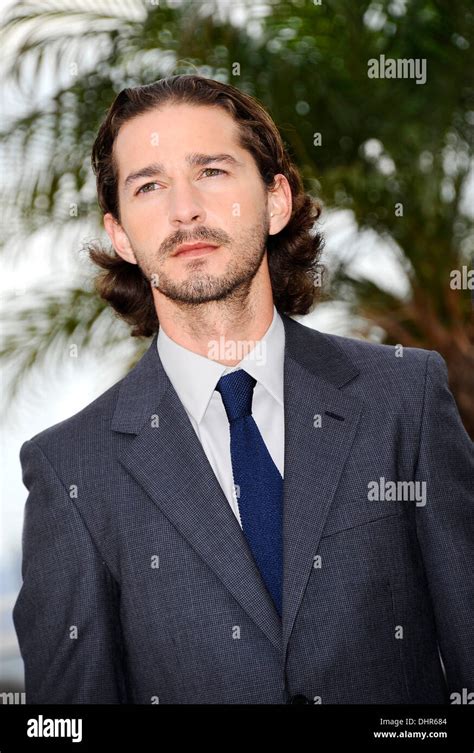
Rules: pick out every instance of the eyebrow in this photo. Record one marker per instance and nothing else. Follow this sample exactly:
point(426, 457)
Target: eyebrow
point(195, 159)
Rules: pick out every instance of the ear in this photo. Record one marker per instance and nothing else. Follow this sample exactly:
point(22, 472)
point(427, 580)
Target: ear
point(280, 204)
point(119, 238)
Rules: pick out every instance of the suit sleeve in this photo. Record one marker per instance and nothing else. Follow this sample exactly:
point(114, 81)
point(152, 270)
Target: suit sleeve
point(66, 613)
point(445, 524)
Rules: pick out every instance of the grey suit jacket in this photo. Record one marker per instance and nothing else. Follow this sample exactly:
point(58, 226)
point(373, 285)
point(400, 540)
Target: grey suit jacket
point(139, 586)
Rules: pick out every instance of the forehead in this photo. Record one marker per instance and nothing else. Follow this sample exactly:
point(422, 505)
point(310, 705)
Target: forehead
point(170, 132)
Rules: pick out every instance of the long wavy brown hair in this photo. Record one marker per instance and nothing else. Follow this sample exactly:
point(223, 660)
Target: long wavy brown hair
point(293, 253)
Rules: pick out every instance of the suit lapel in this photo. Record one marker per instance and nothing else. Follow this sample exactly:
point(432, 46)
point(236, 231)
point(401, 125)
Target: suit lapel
point(168, 461)
point(314, 456)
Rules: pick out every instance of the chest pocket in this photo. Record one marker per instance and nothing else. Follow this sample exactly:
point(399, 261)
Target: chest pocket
point(358, 512)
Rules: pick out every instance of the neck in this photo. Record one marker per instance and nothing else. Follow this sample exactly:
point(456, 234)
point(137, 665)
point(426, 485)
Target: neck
point(222, 329)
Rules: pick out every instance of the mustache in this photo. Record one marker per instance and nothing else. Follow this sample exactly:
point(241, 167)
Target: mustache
point(198, 236)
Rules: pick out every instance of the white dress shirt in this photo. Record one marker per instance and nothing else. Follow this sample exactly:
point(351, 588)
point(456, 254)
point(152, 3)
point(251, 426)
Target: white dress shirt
point(194, 378)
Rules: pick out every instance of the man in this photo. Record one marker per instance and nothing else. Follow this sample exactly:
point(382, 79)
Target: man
point(258, 512)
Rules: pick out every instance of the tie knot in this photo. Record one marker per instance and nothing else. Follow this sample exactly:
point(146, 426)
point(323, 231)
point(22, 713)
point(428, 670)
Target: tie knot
point(236, 389)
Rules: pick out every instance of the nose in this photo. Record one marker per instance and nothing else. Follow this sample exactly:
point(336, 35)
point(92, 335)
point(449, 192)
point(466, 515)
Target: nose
point(184, 205)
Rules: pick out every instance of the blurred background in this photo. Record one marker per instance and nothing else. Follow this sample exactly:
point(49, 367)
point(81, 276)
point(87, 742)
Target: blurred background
point(390, 159)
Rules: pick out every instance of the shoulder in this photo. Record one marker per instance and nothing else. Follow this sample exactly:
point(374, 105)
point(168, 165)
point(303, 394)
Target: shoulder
point(85, 430)
point(81, 426)
point(368, 359)
point(395, 359)
point(387, 379)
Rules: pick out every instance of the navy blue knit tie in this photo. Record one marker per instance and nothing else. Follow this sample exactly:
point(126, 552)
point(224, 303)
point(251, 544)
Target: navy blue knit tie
point(258, 482)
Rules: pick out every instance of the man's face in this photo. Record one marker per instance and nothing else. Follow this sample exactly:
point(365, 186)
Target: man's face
point(222, 201)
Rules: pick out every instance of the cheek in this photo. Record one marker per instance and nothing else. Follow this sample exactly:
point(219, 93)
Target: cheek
point(246, 212)
point(143, 222)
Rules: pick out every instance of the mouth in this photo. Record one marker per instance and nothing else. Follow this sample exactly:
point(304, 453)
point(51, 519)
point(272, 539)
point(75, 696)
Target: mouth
point(194, 249)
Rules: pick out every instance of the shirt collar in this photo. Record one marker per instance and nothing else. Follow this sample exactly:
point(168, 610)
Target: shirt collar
point(194, 377)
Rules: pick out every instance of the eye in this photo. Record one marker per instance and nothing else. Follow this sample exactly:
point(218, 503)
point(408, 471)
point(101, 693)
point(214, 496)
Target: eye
point(206, 169)
point(215, 170)
point(140, 190)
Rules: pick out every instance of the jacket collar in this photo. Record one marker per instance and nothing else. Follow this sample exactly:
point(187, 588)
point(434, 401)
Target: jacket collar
point(169, 463)
point(143, 387)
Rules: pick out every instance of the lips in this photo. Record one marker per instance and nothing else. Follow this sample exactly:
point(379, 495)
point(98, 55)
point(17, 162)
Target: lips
point(191, 247)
